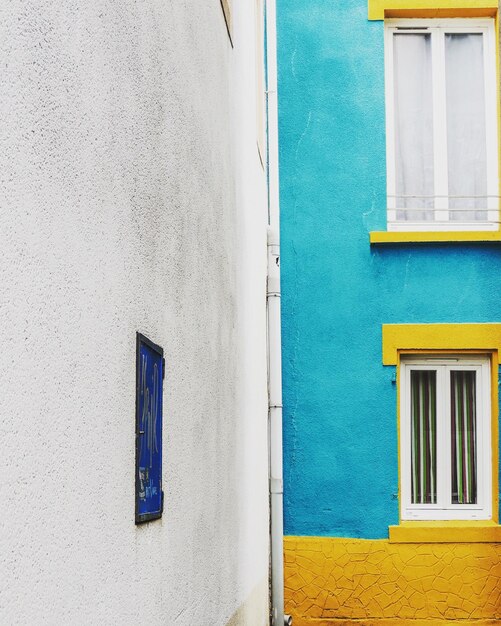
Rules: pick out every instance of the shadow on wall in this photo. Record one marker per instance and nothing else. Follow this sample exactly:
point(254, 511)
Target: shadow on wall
point(254, 611)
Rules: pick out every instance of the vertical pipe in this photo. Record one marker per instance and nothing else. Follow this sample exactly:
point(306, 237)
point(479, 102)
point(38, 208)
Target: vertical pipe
point(272, 114)
point(275, 417)
point(274, 328)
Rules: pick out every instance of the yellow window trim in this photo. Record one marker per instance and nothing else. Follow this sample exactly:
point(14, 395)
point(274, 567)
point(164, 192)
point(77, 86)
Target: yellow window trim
point(401, 339)
point(430, 337)
point(379, 9)
point(445, 532)
point(382, 237)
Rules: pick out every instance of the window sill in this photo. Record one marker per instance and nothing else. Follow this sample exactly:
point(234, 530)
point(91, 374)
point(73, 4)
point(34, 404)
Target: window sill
point(387, 237)
point(445, 532)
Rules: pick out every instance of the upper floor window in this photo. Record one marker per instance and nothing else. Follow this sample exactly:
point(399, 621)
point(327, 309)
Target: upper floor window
point(442, 136)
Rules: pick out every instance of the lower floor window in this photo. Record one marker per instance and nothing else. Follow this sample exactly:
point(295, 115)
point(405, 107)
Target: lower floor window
point(446, 413)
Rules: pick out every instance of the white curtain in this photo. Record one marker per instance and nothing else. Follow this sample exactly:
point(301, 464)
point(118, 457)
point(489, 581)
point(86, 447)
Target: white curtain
point(413, 126)
point(466, 131)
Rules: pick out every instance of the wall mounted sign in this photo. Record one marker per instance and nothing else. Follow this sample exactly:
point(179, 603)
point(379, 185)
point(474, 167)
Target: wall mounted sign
point(150, 367)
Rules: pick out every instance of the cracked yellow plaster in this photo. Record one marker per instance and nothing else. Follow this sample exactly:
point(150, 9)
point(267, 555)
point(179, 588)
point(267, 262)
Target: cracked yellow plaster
point(374, 582)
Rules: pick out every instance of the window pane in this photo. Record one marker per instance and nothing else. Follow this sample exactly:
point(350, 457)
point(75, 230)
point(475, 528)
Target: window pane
point(424, 436)
point(463, 437)
point(466, 130)
point(413, 126)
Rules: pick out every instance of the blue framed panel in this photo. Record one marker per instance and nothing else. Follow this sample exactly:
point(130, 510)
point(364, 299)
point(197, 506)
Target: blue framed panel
point(150, 371)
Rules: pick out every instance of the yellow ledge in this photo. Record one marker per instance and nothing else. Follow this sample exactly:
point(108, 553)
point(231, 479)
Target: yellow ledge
point(379, 9)
point(445, 532)
point(438, 337)
point(425, 237)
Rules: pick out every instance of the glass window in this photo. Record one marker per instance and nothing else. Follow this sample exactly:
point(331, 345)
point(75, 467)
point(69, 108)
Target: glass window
point(441, 125)
point(445, 438)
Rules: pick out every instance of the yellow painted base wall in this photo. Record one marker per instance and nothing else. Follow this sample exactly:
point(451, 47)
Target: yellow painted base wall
point(349, 581)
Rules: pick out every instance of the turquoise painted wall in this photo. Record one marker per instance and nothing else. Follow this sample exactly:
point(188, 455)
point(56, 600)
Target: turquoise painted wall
point(340, 431)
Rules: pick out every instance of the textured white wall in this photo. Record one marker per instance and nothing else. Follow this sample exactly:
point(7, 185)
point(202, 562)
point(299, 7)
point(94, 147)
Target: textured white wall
point(131, 198)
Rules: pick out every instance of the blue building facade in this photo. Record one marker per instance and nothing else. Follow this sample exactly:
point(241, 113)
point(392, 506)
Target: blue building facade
point(342, 488)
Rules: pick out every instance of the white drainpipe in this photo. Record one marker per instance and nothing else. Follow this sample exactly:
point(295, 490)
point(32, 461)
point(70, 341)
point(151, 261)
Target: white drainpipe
point(274, 332)
point(275, 430)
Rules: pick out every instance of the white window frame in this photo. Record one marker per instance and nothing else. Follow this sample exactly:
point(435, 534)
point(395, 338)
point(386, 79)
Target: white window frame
point(438, 28)
point(444, 509)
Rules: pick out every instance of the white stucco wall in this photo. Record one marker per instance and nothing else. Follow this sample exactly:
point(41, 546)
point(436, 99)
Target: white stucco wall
point(131, 198)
